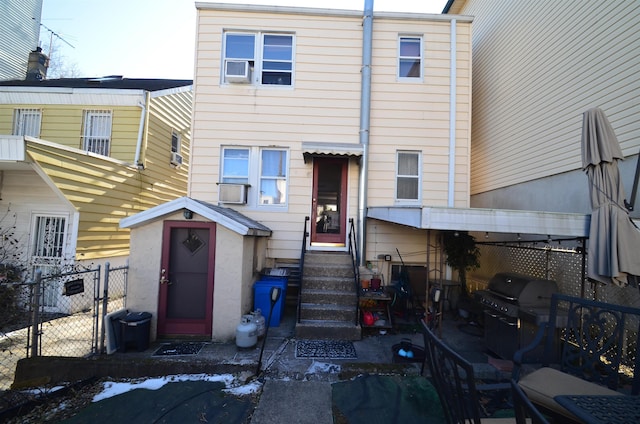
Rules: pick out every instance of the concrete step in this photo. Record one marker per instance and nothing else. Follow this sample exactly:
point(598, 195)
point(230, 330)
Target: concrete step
point(325, 312)
point(324, 296)
point(334, 258)
point(329, 283)
point(328, 330)
point(328, 270)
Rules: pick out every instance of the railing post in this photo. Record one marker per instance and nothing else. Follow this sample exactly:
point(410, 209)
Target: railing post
point(105, 304)
point(35, 333)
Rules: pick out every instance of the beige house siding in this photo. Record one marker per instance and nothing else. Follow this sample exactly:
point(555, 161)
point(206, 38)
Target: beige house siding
point(536, 70)
point(323, 105)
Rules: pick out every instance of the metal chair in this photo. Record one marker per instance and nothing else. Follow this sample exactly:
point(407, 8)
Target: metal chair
point(525, 411)
point(455, 382)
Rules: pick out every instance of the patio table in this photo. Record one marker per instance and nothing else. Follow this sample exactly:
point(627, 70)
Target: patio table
point(602, 409)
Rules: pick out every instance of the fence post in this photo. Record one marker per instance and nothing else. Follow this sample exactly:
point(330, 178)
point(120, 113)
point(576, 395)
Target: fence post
point(35, 333)
point(105, 304)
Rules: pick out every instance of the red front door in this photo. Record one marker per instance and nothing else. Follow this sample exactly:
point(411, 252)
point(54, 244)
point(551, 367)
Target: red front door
point(329, 209)
point(186, 284)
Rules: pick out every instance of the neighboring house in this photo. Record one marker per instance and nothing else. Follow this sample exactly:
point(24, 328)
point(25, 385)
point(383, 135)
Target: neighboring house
point(77, 155)
point(537, 66)
point(19, 32)
point(332, 115)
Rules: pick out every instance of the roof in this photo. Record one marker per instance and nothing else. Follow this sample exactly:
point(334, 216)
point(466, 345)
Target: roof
point(330, 149)
point(111, 82)
point(229, 218)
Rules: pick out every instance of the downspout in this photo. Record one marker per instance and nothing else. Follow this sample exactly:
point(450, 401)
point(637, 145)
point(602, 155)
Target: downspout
point(452, 117)
point(365, 115)
point(143, 121)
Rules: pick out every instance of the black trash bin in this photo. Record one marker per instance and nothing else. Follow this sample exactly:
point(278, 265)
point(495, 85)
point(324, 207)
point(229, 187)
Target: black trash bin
point(134, 330)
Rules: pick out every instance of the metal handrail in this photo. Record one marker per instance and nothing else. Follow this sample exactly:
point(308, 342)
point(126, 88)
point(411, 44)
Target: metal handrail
point(303, 251)
point(353, 251)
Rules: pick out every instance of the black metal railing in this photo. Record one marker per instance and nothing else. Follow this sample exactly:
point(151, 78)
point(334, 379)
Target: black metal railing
point(303, 251)
point(355, 257)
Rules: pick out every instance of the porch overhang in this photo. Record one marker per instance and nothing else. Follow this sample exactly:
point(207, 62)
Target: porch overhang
point(312, 148)
point(486, 220)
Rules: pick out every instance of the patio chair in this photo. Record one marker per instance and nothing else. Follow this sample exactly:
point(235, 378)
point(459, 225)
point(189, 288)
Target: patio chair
point(525, 411)
point(455, 382)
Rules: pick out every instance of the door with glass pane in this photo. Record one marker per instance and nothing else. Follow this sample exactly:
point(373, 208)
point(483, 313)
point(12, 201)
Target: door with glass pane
point(186, 279)
point(47, 255)
point(329, 205)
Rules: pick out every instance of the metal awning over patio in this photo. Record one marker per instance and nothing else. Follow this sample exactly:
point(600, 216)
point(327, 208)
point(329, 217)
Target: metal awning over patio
point(312, 148)
point(486, 220)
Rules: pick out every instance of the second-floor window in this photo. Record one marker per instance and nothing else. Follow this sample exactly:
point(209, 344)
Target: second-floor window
point(97, 131)
point(175, 142)
point(409, 57)
point(258, 58)
point(27, 122)
point(408, 176)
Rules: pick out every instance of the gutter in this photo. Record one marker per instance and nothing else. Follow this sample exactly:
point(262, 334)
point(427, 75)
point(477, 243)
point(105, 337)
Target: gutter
point(365, 119)
point(452, 116)
point(141, 135)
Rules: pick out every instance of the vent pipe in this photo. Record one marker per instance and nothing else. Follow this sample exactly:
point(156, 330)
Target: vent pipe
point(37, 66)
point(365, 115)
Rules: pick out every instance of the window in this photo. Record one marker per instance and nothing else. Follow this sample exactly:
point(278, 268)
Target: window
point(175, 142)
point(410, 57)
point(269, 56)
point(273, 177)
point(408, 176)
point(27, 122)
point(97, 131)
point(266, 169)
point(235, 166)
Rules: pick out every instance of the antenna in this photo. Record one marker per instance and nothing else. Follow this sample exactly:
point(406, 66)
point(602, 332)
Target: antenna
point(53, 33)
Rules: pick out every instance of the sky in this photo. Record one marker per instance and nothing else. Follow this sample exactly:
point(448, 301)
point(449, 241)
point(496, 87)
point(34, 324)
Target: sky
point(151, 38)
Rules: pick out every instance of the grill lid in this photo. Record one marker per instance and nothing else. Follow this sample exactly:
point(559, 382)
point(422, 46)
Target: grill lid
point(522, 289)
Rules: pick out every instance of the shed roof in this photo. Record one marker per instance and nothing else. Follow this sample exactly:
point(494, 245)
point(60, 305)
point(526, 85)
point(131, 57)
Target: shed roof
point(229, 218)
point(109, 82)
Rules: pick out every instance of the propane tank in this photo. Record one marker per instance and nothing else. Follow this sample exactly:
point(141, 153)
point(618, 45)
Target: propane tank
point(259, 320)
point(246, 332)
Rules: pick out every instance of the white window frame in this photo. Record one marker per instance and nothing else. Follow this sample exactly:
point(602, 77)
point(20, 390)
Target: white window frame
point(417, 176)
point(281, 180)
point(406, 57)
point(97, 138)
point(27, 122)
point(254, 179)
point(257, 60)
point(176, 141)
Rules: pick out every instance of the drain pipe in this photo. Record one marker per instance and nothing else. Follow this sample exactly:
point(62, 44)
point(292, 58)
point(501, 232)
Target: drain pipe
point(365, 118)
point(452, 117)
point(143, 120)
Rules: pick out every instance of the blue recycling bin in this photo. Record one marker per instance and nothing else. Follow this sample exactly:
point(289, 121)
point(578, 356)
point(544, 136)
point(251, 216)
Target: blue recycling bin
point(262, 298)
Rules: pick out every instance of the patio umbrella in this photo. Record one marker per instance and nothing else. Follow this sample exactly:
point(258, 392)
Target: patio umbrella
point(614, 240)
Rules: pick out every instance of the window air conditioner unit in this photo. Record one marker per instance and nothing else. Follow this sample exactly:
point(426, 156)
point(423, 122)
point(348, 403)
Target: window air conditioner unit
point(237, 71)
point(232, 193)
point(176, 159)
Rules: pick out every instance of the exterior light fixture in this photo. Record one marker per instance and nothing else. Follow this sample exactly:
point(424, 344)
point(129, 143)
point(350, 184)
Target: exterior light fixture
point(187, 214)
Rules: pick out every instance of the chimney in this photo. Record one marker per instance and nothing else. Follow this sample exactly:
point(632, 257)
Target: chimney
point(38, 64)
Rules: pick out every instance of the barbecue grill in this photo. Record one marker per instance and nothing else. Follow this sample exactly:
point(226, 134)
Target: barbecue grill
point(514, 305)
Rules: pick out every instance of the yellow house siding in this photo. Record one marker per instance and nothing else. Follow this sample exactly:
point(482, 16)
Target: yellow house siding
point(536, 70)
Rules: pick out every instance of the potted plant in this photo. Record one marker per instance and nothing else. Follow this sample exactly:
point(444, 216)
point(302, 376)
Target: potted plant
point(462, 255)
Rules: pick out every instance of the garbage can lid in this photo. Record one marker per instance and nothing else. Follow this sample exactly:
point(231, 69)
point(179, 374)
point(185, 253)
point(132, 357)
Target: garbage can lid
point(136, 316)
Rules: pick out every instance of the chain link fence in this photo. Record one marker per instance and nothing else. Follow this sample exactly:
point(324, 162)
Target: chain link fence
point(58, 315)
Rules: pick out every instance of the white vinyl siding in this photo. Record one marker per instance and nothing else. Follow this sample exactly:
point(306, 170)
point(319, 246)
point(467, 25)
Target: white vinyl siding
point(27, 122)
point(97, 131)
point(535, 71)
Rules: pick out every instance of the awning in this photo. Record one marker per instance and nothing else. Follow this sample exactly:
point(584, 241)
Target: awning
point(313, 148)
point(486, 220)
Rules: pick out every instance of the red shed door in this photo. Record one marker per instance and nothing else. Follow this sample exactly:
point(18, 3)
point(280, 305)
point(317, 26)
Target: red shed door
point(186, 282)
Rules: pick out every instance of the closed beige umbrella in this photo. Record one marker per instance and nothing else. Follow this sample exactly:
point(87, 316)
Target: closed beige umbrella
point(614, 241)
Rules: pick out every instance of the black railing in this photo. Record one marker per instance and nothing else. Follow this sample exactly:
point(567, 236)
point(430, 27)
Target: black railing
point(303, 251)
point(355, 257)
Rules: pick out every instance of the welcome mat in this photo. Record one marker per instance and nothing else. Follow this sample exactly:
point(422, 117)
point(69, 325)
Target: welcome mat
point(183, 348)
point(329, 349)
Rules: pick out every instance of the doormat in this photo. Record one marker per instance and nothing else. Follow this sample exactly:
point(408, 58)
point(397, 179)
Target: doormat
point(329, 349)
point(183, 348)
